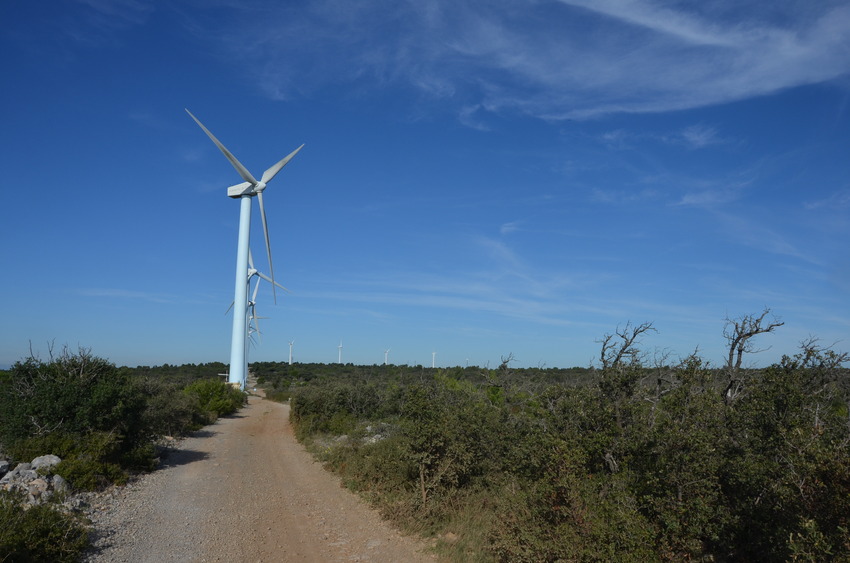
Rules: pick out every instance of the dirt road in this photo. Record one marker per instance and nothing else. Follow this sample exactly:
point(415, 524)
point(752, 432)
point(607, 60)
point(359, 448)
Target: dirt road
point(244, 490)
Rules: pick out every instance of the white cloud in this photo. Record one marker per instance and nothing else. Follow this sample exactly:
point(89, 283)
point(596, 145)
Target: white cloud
point(749, 232)
point(112, 293)
point(836, 200)
point(696, 136)
point(508, 228)
point(699, 136)
point(559, 60)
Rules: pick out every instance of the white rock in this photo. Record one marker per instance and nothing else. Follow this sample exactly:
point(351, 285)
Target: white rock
point(60, 485)
point(46, 461)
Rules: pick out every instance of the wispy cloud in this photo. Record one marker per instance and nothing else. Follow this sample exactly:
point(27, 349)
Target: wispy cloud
point(471, 117)
point(102, 19)
point(622, 197)
point(121, 11)
point(714, 194)
point(509, 227)
point(750, 232)
point(695, 136)
point(699, 136)
point(837, 200)
point(462, 292)
point(112, 293)
point(572, 59)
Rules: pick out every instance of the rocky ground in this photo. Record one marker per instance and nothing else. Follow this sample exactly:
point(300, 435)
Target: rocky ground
point(242, 489)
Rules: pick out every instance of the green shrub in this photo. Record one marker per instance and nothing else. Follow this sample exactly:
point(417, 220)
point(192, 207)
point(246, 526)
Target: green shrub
point(570, 515)
point(72, 393)
point(39, 533)
point(73, 405)
point(278, 396)
point(90, 474)
point(169, 412)
point(216, 397)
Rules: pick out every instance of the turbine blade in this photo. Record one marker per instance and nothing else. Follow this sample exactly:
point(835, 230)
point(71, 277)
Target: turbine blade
point(268, 246)
point(268, 279)
point(236, 164)
point(256, 287)
point(256, 323)
point(273, 170)
point(250, 260)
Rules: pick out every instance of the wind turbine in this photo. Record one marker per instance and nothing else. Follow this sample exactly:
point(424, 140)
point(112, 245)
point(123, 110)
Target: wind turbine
point(252, 326)
point(251, 316)
point(252, 272)
point(433, 357)
point(340, 351)
point(291, 342)
point(245, 191)
point(386, 355)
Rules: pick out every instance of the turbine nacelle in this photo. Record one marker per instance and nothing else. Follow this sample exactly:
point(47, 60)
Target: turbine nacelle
point(237, 191)
point(245, 188)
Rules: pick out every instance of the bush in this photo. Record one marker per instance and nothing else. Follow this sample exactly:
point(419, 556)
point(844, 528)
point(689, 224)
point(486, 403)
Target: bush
point(169, 411)
point(278, 396)
point(73, 394)
point(39, 533)
point(215, 397)
point(642, 464)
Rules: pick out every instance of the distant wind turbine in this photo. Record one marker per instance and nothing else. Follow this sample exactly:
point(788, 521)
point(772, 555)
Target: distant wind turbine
point(253, 272)
point(386, 355)
point(291, 342)
point(252, 318)
point(250, 315)
point(433, 357)
point(245, 191)
point(340, 351)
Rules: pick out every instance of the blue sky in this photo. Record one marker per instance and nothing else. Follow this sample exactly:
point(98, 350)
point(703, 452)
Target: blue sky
point(479, 178)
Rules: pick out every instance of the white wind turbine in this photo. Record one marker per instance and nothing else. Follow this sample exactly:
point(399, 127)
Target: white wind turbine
point(251, 318)
point(252, 313)
point(433, 358)
point(254, 272)
point(340, 351)
point(386, 355)
point(245, 191)
point(291, 342)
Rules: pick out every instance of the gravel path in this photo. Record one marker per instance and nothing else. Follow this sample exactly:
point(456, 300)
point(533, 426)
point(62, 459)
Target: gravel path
point(243, 489)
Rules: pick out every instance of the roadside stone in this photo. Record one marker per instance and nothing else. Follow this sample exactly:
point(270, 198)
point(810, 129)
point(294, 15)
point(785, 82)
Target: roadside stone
point(38, 490)
point(60, 485)
point(27, 478)
point(45, 461)
point(20, 474)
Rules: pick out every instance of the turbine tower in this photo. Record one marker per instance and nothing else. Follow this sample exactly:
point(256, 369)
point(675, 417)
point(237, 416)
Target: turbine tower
point(433, 357)
point(386, 355)
point(245, 191)
point(291, 342)
point(340, 351)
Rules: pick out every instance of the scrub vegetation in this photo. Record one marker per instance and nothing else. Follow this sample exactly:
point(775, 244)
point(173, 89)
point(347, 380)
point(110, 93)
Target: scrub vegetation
point(636, 459)
point(104, 422)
